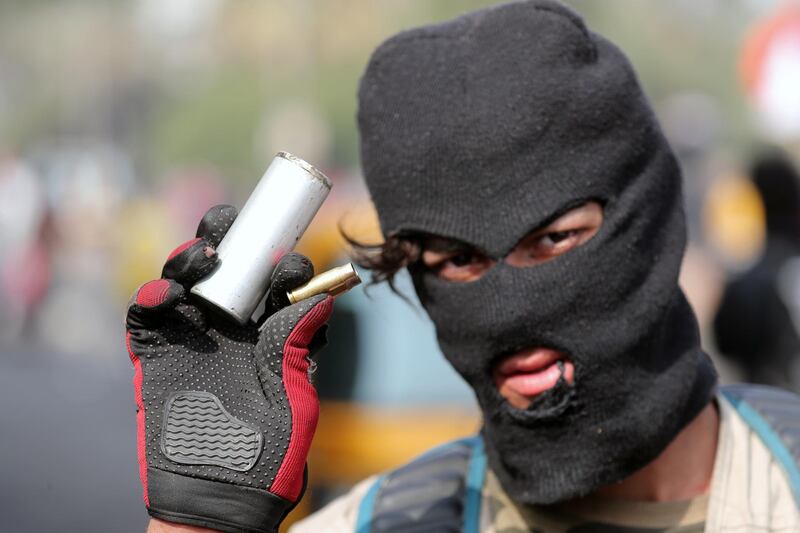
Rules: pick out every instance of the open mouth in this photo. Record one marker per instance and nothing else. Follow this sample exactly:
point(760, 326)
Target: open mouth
point(522, 376)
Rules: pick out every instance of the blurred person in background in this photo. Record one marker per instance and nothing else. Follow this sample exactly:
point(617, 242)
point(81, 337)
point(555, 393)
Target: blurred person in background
point(521, 177)
point(25, 238)
point(756, 325)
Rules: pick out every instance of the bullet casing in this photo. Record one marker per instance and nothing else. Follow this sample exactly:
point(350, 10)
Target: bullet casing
point(269, 225)
point(334, 282)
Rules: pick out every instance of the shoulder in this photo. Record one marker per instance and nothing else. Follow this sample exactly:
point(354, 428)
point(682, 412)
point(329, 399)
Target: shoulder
point(771, 414)
point(338, 516)
point(756, 480)
point(442, 484)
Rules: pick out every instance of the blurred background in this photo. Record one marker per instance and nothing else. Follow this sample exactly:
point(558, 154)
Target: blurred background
point(122, 122)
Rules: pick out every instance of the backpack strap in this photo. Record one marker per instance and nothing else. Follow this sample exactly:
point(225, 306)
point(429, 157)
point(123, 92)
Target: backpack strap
point(774, 415)
point(438, 491)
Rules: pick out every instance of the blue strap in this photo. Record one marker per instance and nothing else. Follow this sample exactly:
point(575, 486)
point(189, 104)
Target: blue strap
point(475, 477)
point(476, 473)
point(770, 439)
point(367, 505)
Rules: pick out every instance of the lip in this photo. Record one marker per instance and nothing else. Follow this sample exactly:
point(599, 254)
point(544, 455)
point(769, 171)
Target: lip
point(522, 376)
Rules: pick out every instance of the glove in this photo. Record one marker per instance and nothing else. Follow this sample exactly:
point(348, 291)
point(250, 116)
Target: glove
point(225, 413)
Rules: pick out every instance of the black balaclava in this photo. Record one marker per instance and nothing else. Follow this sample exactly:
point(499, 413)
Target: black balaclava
point(489, 126)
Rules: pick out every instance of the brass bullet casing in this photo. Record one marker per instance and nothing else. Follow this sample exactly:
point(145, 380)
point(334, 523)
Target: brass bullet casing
point(334, 282)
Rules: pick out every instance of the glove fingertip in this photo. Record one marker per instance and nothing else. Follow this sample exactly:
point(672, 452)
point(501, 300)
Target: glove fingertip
point(190, 262)
point(216, 223)
point(295, 261)
point(157, 293)
point(183, 247)
point(150, 300)
point(292, 270)
point(152, 294)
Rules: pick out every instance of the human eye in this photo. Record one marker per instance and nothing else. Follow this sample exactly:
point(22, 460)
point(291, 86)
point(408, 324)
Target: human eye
point(569, 231)
point(556, 242)
point(460, 260)
point(457, 265)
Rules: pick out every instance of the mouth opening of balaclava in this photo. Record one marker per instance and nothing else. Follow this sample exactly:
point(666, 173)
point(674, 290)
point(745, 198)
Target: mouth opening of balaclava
point(483, 128)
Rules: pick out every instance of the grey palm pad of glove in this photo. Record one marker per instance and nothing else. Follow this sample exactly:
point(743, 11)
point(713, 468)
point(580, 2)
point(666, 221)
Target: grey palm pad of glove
point(225, 413)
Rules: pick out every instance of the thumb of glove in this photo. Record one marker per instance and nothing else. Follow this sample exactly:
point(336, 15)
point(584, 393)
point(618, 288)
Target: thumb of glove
point(282, 362)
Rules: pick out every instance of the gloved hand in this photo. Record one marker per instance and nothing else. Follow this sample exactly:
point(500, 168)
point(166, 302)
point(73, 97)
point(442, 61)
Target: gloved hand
point(225, 413)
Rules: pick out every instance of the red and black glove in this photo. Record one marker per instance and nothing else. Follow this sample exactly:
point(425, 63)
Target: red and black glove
point(225, 413)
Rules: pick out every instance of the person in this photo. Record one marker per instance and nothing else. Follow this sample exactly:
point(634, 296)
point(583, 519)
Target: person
point(521, 178)
point(756, 323)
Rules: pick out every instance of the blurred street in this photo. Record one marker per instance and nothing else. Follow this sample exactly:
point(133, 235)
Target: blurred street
point(67, 444)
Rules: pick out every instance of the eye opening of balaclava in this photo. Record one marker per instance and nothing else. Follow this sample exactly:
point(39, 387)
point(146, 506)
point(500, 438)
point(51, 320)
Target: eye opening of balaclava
point(426, 239)
point(477, 129)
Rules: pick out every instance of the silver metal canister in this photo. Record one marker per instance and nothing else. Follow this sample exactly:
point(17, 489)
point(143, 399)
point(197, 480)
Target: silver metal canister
point(269, 225)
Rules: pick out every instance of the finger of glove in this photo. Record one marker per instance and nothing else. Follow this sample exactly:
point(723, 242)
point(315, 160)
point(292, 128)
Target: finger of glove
point(292, 270)
point(282, 358)
point(216, 223)
point(190, 262)
point(293, 326)
point(151, 301)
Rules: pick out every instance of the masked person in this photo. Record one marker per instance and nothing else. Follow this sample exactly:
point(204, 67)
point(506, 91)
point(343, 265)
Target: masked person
point(522, 179)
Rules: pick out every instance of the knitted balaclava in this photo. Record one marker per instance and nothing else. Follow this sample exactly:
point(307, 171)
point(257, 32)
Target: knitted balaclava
point(486, 127)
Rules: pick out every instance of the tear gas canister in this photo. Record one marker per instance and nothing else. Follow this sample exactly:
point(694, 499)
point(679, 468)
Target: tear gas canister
point(269, 225)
